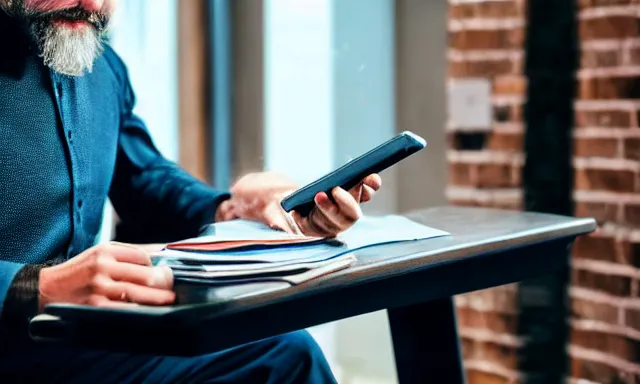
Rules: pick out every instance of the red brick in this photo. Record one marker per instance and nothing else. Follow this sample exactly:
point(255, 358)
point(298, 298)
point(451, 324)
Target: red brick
point(502, 113)
point(600, 3)
point(632, 148)
point(633, 318)
point(502, 355)
point(631, 214)
point(619, 346)
point(595, 248)
point(584, 3)
point(510, 85)
point(506, 356)
point(507, 205)
point(592, 147)
point(481, 377)
point(468, 347)
point(495, 176)
point(507, 142)
point(502, 299)
point(484, 68)
point(631, 254)
point(594, 371)
point(586, 309)
point(619, 87)
point(518, 65)
point(600, 59)
point(602, 212)
point(611, 27)
point(605, 180)
point(518, 113)
point(488, 9)
point(460, 174)
point(603, 119)
point(507, 113)
point(494, 321)
point(516, 37)
point(634, 56)
point(615, 285)
point(478, 39)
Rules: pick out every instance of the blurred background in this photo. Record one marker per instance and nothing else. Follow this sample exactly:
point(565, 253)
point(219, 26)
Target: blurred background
point(528, 106)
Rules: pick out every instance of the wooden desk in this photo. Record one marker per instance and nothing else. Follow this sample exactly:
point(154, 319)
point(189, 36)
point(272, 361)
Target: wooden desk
point(414, 281)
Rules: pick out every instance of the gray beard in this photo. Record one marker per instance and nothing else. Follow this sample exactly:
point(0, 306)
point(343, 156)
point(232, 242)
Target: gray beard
point(69, 51)
point(66, 50)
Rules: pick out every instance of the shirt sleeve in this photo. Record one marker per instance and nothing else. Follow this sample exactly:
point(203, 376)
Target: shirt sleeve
point(21, 303)
point(8, 271)
point(155, 199)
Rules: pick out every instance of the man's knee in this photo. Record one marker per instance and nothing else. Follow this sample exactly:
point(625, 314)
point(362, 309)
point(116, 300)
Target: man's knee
point(300, 344)
point(301, 350)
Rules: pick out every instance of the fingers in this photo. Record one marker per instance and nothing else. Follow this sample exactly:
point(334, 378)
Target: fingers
point(277, 218)
point(128, 254)
point(347, 206)
point(357, 192)
point(129, 292)
point(316, 225)
point(320, 221)
point(367, 194)
point(365, 190)
point(328, 218)
point(124, 273)
point(155, 277)
point(374, 181)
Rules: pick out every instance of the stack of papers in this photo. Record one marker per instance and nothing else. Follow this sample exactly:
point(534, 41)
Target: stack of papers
point(241, 251)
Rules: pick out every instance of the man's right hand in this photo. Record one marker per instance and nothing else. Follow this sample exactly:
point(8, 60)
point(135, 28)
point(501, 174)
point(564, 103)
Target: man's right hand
point(108, 275)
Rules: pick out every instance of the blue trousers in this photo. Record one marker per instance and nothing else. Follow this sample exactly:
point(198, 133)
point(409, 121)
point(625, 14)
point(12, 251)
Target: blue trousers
point(289, 358)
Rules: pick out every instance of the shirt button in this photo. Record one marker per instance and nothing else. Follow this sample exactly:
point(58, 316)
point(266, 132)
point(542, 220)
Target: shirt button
point(79, 203)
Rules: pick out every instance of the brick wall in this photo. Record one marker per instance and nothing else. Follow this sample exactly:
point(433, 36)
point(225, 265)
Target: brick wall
point(605, 337)
point(486, 41)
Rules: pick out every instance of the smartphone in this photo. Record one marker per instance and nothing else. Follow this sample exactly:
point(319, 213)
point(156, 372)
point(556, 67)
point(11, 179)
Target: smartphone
point(349, 175)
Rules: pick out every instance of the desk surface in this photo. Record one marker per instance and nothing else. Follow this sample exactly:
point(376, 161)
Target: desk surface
point(486, 248)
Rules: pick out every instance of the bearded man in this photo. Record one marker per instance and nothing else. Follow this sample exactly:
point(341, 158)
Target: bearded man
point(70, 140)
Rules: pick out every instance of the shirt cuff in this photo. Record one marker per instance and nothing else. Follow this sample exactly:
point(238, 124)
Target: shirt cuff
point(22, 301)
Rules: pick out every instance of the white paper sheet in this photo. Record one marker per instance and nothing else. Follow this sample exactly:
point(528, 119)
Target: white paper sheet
point(368, 231)
point(375, 230)
point(239, 230)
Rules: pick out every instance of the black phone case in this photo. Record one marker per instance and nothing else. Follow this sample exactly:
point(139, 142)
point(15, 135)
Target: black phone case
point(350, 174)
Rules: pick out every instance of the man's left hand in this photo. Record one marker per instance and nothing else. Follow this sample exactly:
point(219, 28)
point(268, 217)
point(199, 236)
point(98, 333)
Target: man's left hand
point(257, 196)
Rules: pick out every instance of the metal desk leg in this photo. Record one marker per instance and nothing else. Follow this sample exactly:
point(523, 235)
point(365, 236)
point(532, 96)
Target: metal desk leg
point(426, 343)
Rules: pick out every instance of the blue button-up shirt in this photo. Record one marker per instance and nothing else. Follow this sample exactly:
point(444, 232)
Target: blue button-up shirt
point(69, 143)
